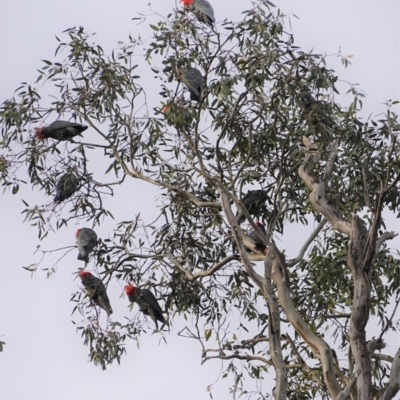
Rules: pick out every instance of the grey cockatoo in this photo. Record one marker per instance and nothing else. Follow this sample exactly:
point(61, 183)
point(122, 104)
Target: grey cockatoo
point(66, 186)
point(259, 245)
point(148, 304)
point(96, 290)
point(253, 200)
point(193, 79)
point(201, 9)
point(178, 116)
point(86, 240)
point(60, 130)
point(313, 110)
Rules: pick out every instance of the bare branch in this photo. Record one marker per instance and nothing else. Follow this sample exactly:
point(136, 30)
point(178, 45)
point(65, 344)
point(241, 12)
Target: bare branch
point(256, 257)
point(189, 196)
point(249, 343)
point(215, 267)
point(238, 356)
point(382, 357)
point(92, 145)
point(274, 329)
point(300, 256)
point(360, 307)
point(331, 162)
point(394, 379)
point(341, 315)
point(314, 341)
point(385, 236)
point(389, 321)
point(317, 195)
point(346, 392)
point(302, 362)
point(192, 277)
point(366, 191)
point(188, 275)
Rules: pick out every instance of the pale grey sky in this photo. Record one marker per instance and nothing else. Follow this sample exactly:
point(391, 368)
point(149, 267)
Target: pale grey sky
point(44, 357)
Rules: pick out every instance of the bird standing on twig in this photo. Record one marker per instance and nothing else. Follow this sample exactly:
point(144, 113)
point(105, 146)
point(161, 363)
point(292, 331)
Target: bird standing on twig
point(193, 79)
point(202, 9)
point(96, 291)
point(148, 304)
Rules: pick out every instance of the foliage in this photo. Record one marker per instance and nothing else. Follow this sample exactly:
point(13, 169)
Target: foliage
point(245, 133)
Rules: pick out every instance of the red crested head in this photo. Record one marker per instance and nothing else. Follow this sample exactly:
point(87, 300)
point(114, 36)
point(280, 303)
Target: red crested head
point(187, 3)
point(259, 224)
point(38, 133)
point(129, 290)
point(77, 233)
point(85, 275)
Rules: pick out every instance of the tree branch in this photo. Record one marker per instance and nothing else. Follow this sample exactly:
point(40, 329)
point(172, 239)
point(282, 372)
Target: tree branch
point(394, 379)
point(238, 236)
point(192, 277)
point(246, 357)
point(360, 307)
point(274, 329)
point(389, 321)
point(346, 392)
point(385, 236)
point(314, 341)
point(382, 357)
point(302, 362)
point(300, 256)
point(166, 185)
point(317, 195)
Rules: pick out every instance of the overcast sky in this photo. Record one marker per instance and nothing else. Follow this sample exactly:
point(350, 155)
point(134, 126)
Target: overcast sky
point(44, 357)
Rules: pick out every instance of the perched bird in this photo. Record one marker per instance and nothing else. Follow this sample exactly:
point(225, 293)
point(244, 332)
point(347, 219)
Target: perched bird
point(313, 111)
point(148, 304)
point(252, 200)
point(178, 116)
point(193, 79)
point(259, 245)
point(86, 240)
point(60, 130)
point(96, 290)
point(66, 186)
point(201, 9)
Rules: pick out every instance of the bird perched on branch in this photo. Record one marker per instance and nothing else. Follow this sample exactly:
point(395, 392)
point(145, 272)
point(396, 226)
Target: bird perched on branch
point(193, 79)
point(96, 291)
point(148, 304)
point(259, 245)
point(314, 112)
point(60, 130)
point(66, 186)
point(86, 240)
point(201, 9)
point(177, 116)
point(252, 200)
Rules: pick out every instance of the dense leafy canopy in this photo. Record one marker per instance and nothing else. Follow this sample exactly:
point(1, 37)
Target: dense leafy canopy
point(245, 133)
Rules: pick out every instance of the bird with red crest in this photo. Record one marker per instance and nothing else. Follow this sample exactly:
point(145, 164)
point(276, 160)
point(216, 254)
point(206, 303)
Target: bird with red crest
point(60, 130)
point(148, 304)
point(201, 9)
point(96, 291)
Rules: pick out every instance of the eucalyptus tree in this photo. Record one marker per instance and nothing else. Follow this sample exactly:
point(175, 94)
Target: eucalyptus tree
point(317, 164)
